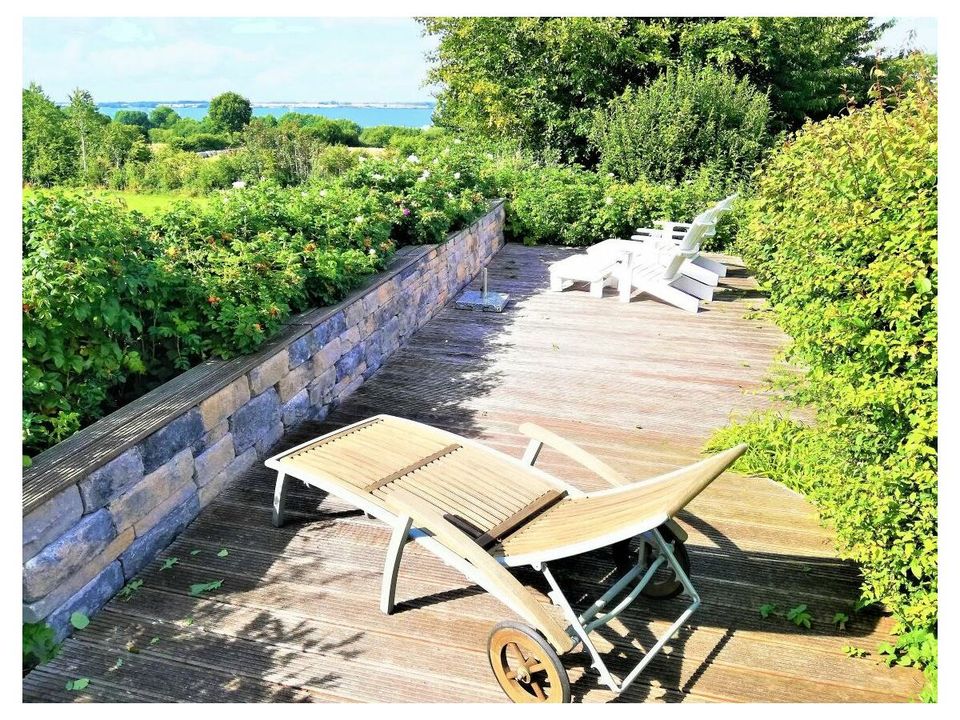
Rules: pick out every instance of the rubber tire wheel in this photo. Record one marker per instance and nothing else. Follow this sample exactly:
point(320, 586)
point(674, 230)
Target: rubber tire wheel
point(622, 556)
point(544, 654)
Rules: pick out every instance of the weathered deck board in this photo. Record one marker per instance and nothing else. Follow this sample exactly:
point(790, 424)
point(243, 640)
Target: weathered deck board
point(641, 385)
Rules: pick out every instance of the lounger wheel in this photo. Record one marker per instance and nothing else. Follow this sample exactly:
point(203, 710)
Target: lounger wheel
point(665, 584)
point(527, 668)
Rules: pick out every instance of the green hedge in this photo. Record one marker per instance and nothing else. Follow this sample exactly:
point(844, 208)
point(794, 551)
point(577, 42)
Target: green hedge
point(574, 206)
point(114, 303)
point(842, 231)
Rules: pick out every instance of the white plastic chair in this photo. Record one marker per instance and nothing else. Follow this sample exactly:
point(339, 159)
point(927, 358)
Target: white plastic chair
point(655, 270)
point(670, 231)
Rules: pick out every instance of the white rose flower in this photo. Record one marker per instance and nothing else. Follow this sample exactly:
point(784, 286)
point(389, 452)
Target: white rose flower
point(457, 141)
point(377, 176)
point(358, 219)
point(372, 252)
point(413, 159)
point(322, 193)
point(426, 174)
point(456, 176)
point(362, 159)
point(608, 200)
point(239, 184)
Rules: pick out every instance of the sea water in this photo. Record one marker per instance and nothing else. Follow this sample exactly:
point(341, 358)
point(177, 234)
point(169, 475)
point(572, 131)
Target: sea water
point(364, 114)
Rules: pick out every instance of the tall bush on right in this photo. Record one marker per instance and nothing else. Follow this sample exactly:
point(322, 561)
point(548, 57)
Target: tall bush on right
point(842, 230)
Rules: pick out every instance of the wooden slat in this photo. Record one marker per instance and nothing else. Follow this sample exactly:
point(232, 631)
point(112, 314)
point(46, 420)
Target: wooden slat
point(521, 517)
point(453, 447)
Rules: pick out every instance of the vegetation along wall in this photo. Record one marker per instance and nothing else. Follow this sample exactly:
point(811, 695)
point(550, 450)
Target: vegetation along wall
point(99, 506)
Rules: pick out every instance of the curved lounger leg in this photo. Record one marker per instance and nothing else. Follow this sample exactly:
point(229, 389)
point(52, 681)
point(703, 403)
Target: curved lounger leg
point(280, 499)
point(391, 565)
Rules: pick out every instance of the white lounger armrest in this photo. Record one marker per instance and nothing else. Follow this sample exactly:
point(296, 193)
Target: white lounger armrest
point(574, 452)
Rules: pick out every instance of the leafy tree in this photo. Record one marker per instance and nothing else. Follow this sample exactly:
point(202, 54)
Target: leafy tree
point(122, 142)
point(805, 62)
point(136, 118)
point(535, 81)
point(163, 117)
point(87, 123)
point(49, 154)
point(230, 111)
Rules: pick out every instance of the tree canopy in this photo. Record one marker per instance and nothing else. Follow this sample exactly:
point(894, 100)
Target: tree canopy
point(230, 111)
point(536, 81)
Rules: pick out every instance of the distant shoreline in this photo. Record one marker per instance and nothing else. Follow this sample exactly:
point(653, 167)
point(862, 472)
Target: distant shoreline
point(365, 114)
point(269, 104)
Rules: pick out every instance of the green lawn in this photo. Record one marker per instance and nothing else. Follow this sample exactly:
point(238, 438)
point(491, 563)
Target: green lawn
point(146, 203)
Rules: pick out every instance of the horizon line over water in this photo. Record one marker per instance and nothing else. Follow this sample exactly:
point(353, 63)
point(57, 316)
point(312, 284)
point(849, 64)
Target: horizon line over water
point(412, 114)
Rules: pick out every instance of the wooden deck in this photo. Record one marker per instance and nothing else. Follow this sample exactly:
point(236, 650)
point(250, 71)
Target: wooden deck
point(642, 385)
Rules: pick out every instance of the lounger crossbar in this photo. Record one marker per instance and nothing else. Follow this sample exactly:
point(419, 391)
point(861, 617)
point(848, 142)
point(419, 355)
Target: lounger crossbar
point(483, 512)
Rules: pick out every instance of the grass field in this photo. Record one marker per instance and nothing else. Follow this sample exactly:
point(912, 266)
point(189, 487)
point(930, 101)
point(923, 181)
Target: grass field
point(146, 203)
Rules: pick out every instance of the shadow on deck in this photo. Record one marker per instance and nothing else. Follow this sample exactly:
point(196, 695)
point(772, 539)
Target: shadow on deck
point(642, 385)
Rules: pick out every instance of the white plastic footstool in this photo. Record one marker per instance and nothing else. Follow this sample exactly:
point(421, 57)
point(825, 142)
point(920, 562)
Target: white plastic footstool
point(596, 270)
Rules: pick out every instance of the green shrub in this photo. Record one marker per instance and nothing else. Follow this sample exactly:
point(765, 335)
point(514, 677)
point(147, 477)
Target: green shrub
point(684, 120)
point(168, 169)
point(86, 274)
point(572, 206)
point(216, 173)
point(200, 141)
point(380, 135)
point(842, 230)
point(425, 142)
point(39, 645)
point(332, 160)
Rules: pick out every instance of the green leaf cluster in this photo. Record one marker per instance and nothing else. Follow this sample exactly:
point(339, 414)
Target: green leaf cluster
point(686, 119)
point(842, 232)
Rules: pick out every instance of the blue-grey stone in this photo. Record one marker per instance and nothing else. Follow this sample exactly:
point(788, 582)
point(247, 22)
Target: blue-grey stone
point(349, 361)
point(88, 599)
point(373, 353)
point(301, 350)
point(166, 442)
point(65, 555)
point(318, 413)
point(49, 521)
point(105, 483)
point(329, 328)
point(268, 440)
point(145, 548)
point(296, 409)
point(255, 419)
point(409, 270)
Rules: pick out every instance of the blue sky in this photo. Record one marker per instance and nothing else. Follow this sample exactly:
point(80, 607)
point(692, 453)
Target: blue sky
point(294, 59)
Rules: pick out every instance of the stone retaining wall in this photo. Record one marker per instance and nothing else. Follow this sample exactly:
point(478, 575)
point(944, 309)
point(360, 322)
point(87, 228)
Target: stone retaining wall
point(85, 541)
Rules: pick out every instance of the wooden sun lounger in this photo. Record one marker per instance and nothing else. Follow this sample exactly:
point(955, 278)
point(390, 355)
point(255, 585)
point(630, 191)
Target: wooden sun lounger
point(482, 512)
